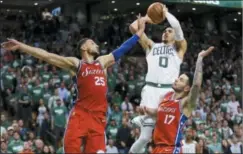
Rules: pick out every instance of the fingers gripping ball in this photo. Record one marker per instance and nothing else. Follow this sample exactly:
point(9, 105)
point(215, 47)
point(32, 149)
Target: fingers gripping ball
point(156, 13)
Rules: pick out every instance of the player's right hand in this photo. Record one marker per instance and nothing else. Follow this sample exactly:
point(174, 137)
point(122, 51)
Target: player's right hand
point(11, 45)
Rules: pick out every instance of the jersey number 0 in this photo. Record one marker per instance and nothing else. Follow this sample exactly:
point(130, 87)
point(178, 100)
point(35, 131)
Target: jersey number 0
point(163, 62)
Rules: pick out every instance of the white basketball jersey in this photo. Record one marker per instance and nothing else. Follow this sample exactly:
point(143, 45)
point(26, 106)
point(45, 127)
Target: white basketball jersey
point(189, 147)
point(163, 64)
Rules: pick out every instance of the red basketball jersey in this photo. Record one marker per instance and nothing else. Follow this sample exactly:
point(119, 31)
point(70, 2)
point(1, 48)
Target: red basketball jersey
point(170, 122)
point(91, 87)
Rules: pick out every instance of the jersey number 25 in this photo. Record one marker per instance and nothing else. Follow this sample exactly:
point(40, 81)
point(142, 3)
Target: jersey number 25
point(99, 81)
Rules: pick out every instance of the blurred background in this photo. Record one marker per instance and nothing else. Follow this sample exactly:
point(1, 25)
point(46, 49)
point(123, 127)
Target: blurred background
point(31, 90)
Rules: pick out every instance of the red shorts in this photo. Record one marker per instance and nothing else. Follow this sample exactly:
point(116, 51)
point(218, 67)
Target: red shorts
point(166, 149)
point(87, 129)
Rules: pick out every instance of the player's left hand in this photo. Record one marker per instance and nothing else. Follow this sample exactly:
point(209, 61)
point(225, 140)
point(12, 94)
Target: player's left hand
point(11, 45)
point(141, 23)
point(205, 53)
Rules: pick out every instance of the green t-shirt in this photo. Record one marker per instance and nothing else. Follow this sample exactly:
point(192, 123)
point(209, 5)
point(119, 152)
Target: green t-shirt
point(16, 63)
point(117, 99)
point(37, 94)
point(5, 124)
point(59, 114)
point(66, 77)
point(131, 86)
point(45, 76)
point(46, 96)
point(8, 79)
point(112, 130)
point(111, 82)
point(223, 106)
point(117, 116)
point(16, 146)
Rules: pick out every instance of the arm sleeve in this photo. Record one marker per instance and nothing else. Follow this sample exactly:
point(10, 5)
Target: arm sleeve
point(176, 26)
point(125, 47)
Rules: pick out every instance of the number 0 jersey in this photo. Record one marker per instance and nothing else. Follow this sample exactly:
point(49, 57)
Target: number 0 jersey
point(91, 87)
point(163, 64)
point(169, 123)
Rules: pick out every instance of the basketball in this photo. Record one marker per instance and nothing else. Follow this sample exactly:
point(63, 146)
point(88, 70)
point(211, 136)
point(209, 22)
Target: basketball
point(155, 12)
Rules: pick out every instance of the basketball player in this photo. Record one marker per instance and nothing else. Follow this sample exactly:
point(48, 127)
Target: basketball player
point(175, 108)
point(164, 60)
point(87, 119)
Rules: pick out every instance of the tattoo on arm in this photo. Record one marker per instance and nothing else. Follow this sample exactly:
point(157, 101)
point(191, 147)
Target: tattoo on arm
point(197, 81)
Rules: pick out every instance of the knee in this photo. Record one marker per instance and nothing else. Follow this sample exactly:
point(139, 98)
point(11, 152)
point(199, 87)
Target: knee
point(144, 139)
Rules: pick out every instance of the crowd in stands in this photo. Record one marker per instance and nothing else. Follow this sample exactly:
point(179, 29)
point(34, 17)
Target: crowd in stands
point(37, 97)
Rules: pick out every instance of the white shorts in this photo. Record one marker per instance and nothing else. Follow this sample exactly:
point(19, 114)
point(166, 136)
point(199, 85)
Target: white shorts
point(151, 96)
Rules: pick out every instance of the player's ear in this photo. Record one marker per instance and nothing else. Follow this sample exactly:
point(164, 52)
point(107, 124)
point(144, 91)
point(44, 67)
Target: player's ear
point(84, 47)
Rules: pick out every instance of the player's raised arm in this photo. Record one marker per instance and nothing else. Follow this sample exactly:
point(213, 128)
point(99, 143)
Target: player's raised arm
point(145, 42)
point(180, 41)
point(197, 80)
point(69, 63)
point(111, 58)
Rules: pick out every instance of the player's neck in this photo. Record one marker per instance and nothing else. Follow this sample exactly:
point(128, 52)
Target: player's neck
point(169, 43)
point(178, 95)
point(87, 58)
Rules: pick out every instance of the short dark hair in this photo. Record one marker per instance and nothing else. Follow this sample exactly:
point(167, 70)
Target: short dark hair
point(190, 78)
point(81, 43)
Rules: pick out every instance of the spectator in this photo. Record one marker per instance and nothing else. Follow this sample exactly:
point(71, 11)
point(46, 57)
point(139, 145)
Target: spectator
point(46, 15)
point(27, 149)
point(236, 146)
point(59, 119)
point(41, 111)
point(46, 150)
point(63, 92)
point(112, 129)
point(4, 147)
point(24, 105)
point(39, 146)
point(117, 114)
point(4, 122)
point(16, 145)
point(215, 146)
point(188, 144)
point(127, 106)
point(110, 148)
point(123, 136)
point(225, 130)
point(53, 99)
point(233, 105)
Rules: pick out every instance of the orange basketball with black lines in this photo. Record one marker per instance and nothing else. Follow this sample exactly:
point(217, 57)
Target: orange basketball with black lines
point(156, 13)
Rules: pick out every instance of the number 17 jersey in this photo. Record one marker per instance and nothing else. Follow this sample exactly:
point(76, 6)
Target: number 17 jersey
point(163, 64)
point(170, 122)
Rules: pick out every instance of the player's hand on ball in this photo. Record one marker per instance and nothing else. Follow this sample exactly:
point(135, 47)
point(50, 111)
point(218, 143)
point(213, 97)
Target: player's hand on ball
point(205, 53)
point(11, 45)
point(141, 23)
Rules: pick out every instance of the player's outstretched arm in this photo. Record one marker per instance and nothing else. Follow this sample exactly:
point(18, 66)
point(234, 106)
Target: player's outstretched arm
point(180, 41)
point(197, 80)
point(69, 63)
point(144, 41)
point(114, 56)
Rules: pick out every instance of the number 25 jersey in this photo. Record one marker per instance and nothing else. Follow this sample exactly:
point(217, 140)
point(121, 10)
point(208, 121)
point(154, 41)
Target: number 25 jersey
point(170, 122)
point(91, 87)
point(163, 64)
